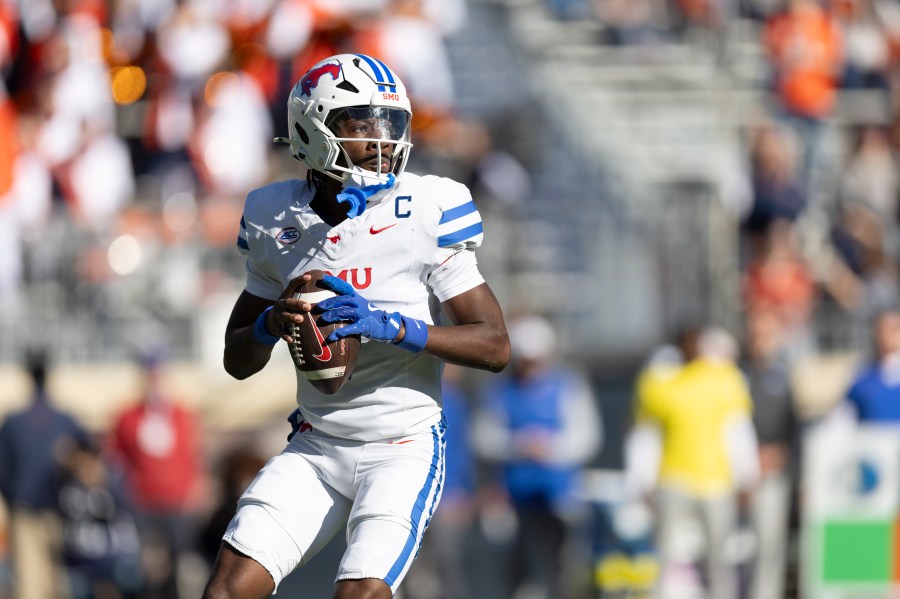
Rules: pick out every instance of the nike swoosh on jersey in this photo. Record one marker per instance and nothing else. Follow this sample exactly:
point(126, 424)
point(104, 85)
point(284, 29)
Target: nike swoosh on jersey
point(375, 231)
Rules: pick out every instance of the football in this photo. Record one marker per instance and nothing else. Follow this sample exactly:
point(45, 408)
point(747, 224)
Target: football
point(326, 365)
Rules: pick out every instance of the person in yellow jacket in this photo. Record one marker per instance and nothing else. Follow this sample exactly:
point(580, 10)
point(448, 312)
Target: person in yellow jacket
point(694, 448)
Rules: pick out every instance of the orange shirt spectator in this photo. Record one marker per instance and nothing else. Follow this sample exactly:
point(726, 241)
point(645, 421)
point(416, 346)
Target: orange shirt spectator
point(806, 49)
point(780, 281)
point(786, 286)
point(8, 146)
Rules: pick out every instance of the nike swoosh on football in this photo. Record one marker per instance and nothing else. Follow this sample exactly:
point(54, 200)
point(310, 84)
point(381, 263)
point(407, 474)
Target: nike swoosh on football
point(375, 231)
point(324, 351)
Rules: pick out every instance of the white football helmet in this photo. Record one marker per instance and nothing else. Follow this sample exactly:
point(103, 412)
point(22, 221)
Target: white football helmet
point(348, 86)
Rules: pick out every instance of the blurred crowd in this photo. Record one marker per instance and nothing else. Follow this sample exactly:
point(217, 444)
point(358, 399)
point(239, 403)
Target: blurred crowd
point(714, 453)
point(134, 129)
point(100, 515)
point(818, 209)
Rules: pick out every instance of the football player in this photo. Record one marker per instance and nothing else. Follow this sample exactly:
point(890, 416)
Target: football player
point(369, 457)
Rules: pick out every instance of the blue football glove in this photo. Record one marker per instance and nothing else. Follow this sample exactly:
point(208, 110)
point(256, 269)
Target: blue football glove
point(367, 319)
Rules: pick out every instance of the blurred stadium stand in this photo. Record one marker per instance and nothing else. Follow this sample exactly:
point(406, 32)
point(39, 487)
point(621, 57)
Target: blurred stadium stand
point(643, 172)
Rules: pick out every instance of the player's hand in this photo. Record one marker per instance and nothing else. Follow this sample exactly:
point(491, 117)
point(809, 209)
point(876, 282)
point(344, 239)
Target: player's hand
point(365, 317)
point(288, 310)
point(533, 443)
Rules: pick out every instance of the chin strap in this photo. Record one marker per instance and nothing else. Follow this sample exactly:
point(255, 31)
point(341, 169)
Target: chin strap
point(358, 196)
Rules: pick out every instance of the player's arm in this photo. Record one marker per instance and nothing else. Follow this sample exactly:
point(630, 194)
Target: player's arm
point(255, 326)
point(244, 353)
point(477, 338)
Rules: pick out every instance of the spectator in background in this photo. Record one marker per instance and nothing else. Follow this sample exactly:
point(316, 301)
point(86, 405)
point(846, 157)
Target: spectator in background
point(628, 22)
point(874, 396)
point(779, 280)
point(708, 14)
point(778, 193)
point(100, 539)
point(868, 50)
point(870, 176)
point(806, 52)
point(693, 419)
point(193, 43)
point(863, 278)
point(91, 165)
point(776, 423)
point(24, 206)
point(157, 444)
point(541, 425)
point(32, 442)
point(99, 178)
point(233, 136)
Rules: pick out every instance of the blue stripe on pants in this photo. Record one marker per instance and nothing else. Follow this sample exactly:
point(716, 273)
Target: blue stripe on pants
point(413, 541)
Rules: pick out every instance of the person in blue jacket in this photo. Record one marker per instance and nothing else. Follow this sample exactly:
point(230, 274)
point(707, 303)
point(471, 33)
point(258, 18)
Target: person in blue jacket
point(540, 426)
point(875, 393)
point(32, 441)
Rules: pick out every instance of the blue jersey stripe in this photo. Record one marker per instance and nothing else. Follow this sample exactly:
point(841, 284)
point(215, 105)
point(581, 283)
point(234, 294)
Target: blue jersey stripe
point(461, 235)
point(242, 243)
point(417, 511)
point(459, 211)
point(379, 76)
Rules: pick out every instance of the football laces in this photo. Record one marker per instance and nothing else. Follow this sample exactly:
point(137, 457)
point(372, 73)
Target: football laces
point(295, 347)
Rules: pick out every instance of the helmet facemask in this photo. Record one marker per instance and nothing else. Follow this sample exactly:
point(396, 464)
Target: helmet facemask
point(385, 133)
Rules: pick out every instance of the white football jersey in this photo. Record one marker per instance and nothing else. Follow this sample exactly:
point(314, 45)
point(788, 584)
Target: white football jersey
point(413, 241)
